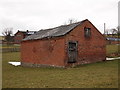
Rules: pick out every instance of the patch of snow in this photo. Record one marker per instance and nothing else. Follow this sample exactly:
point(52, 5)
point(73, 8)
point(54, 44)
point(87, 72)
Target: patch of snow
point(112, 58)
point(15, 63)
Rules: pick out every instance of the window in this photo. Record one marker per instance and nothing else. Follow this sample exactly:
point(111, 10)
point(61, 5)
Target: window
point(87, 32)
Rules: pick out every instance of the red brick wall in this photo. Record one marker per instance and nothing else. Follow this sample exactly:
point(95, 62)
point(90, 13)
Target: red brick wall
point(18, 37)
point(89, 50)
point(54, 51)
point(112, 42)
point(44, 52)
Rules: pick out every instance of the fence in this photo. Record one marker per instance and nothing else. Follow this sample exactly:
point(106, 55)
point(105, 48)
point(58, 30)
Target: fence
point(10, 50)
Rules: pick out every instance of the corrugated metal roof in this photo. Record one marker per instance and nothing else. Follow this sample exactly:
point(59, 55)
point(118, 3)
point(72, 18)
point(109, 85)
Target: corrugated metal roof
point(53, 32)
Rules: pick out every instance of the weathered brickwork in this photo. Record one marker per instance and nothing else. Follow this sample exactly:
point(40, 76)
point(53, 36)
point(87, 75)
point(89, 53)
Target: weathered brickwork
point(54, 51)
point(112, 42)
point(46, 51)
point(91, 49)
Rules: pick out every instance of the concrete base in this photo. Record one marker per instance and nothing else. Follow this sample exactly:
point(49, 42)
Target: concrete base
point(38, 65)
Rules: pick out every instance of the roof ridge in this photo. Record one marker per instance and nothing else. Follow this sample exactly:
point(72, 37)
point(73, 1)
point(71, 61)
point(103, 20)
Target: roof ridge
point(54, 32)
point(63, 25)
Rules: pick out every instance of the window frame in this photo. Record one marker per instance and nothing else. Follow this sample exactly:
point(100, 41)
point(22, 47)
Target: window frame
point(87, 32)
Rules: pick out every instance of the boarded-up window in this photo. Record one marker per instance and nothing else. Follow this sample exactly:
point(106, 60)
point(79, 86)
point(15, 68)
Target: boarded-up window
point(87, 32)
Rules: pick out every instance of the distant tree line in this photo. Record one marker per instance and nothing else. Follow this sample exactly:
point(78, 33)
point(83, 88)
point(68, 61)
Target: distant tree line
point(113, 32)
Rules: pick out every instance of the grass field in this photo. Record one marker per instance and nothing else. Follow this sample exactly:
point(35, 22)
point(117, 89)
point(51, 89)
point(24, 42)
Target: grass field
point(112, 49)
point(97, 75)
point(10, 46)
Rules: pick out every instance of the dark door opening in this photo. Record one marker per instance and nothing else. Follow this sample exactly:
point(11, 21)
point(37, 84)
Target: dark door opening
point(72, 52)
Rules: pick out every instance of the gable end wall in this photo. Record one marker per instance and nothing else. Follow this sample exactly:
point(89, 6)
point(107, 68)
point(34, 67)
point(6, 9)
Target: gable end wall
point(91, 49)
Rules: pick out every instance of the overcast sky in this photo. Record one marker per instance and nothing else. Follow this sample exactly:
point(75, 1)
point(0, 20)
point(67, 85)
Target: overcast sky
point(42, 14)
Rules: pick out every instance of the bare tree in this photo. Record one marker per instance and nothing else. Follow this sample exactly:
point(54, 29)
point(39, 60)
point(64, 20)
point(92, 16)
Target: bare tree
point(70, 21)
point(7, 32)
point(114, 32)
point(118, 29)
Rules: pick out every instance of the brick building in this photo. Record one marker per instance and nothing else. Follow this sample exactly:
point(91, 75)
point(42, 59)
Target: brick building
point(112, 40)
point(19, 35)
point(64, 46)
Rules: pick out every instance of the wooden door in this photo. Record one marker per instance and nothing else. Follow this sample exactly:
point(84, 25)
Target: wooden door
point(72, 52)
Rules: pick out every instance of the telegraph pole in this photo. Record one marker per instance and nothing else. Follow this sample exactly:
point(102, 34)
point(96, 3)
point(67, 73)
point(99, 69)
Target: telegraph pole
point(118, 26)
point(118, 39)
point(104, 28)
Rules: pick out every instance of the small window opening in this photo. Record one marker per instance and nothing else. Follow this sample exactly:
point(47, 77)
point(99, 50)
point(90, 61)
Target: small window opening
point(87, 32)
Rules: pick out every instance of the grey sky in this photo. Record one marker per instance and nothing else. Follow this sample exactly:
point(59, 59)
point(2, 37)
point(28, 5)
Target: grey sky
point(42, 14)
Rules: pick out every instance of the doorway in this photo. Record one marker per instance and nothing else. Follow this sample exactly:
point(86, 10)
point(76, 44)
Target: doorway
point(72, 51)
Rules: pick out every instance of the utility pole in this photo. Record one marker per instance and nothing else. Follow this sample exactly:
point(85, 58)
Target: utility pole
point(118, 26)
point(104, 28)
point(118, 39)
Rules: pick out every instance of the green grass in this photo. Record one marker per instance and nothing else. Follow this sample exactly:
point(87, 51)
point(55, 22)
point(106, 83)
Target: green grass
point(0, 70)
point(10, 46)
point(97, 75)
point(112, 49)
